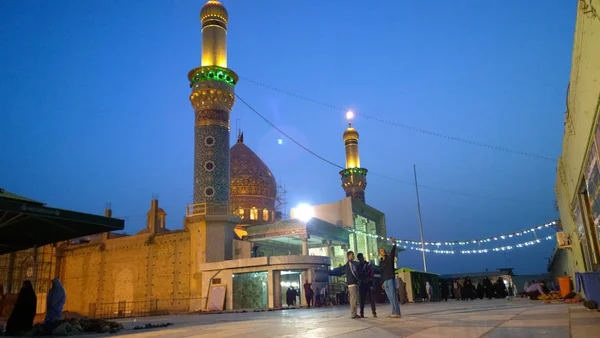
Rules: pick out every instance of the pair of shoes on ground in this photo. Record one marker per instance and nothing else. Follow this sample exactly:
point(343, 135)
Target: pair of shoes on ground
point(363, 316)
point(375, 316)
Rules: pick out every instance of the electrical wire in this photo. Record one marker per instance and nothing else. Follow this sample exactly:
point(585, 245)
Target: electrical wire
point(371, 172)
point(286, 135)
point(407, 127)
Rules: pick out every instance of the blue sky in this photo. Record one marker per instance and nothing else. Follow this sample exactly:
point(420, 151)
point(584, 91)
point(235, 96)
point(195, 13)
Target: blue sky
point(95, 107)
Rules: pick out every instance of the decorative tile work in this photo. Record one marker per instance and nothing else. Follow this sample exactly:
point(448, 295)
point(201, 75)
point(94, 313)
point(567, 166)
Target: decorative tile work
point(218, 154)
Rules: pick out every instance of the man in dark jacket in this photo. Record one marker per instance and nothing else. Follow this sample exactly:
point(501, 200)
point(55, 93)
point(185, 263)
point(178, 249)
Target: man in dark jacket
point(388, 276)
point(365, 289)
point(352, 281)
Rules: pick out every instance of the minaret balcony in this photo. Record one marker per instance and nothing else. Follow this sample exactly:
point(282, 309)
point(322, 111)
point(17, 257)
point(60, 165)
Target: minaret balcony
point(354, 171)
point(212, 73)
point(209, 208)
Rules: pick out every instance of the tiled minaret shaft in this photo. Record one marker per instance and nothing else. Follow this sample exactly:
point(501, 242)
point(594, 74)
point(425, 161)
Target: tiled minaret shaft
point(212, 98)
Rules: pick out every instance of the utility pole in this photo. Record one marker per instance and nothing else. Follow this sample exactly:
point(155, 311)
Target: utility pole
point(420, 221)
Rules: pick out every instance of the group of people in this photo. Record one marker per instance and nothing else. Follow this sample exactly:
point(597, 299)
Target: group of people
point(360, 282)
point(309, 295)
point(23, 314)
point(465, 289)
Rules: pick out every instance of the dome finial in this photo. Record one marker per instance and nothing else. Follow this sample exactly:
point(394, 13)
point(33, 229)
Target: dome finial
point(349, 117)
point(240, 136)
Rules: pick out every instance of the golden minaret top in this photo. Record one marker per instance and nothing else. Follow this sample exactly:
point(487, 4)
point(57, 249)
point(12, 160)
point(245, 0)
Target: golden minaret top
point(214, 19)
point(351, 143)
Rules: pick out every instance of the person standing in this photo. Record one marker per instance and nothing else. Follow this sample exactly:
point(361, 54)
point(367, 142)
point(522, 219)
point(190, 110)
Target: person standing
point(55, 302)
point(402, 294)
point(386, 264)
point(352, 281)
point(429, 290)
point(23, 314)
point(325, 295)
point(456, 288)
point(308, 293)
point(289, 297)
point(489, 288)
point(444, 290)
point(365, 289)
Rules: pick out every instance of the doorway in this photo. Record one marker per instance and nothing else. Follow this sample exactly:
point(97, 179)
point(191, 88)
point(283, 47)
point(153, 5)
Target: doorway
point(291, 281)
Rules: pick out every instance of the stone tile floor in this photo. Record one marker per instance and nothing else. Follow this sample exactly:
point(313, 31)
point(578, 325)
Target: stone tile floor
point(480, 318)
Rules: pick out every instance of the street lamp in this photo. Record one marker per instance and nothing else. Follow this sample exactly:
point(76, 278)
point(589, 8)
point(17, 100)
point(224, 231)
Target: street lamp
point(304, 212)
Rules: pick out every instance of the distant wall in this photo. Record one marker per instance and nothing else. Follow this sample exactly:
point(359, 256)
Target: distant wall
point(338, 213)
point(134, 268)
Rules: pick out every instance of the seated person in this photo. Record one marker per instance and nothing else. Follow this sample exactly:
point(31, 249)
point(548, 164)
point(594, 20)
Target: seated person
point(535, 290)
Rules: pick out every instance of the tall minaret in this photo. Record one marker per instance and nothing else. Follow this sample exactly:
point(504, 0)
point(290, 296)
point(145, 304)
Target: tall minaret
point(354, 178)
point(212, 98)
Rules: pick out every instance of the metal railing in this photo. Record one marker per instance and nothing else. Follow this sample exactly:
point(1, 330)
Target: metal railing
point(206, 208)
point(153, 307)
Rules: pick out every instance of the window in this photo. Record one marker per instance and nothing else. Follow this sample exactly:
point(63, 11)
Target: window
point(241, 213)
point(265, 214)
point(209, 141)
point(253, 213)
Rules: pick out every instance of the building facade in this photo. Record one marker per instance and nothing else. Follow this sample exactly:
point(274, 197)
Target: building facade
point(232, 236)
point(578, 174)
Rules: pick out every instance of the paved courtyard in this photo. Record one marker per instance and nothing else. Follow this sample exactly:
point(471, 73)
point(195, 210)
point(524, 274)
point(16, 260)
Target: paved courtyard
point(480, 318)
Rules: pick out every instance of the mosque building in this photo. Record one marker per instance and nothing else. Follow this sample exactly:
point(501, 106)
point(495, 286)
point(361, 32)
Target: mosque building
point(235, 250)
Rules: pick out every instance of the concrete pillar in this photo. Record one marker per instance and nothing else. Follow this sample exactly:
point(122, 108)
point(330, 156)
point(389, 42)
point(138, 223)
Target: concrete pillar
point(107, 213)
point(275, 289)
point(327, 248)
point(219, 237)
point(305, 278)
point(305, 246)
point(152, 217)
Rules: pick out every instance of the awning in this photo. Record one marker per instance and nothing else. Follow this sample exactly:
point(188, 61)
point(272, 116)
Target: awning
point(315, 227)
point(25, 224)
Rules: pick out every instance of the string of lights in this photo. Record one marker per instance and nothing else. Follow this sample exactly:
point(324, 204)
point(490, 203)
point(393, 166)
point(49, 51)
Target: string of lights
point(461, 243)
point(481, 251)
point(446, 191)
point(407, 127)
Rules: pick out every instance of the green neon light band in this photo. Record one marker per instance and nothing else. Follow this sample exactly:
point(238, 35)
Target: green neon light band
point(349, 172)
point(213, 73)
